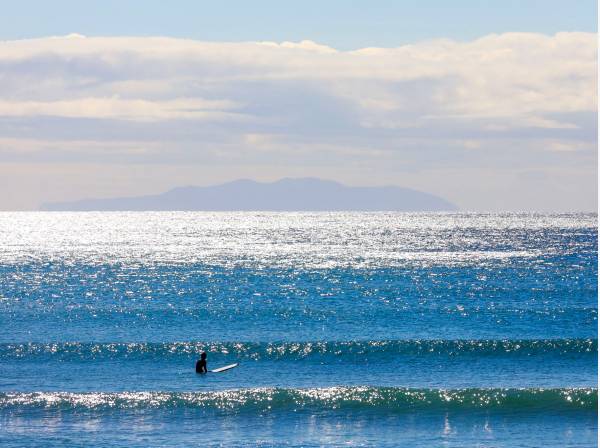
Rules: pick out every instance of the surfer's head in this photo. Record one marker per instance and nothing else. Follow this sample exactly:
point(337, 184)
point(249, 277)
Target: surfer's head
point(203, 355)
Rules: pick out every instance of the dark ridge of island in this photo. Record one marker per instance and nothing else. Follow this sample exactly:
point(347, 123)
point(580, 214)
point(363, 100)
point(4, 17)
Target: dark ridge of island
point(307, 194)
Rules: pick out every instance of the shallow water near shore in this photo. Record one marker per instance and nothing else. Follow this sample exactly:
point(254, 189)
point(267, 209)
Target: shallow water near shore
point(360, 329)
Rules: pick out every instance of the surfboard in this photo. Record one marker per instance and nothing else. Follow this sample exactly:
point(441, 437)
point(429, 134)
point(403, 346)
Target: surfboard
point(224, 368)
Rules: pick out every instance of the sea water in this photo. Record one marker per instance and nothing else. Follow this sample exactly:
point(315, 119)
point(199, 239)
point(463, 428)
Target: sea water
point(351, 329)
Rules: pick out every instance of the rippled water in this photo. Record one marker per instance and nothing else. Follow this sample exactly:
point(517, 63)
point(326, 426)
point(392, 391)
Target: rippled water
point(373, 329)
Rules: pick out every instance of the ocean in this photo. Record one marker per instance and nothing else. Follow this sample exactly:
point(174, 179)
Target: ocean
point(350, 329)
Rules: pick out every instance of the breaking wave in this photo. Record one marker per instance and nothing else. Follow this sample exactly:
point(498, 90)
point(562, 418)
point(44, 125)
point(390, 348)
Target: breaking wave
point(384, 399)
point(301, 350)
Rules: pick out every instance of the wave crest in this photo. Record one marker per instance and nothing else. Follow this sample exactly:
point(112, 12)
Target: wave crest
point(386, 399)
point(301, 350)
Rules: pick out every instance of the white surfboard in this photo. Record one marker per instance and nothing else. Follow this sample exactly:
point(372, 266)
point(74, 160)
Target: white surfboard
point(224, 368)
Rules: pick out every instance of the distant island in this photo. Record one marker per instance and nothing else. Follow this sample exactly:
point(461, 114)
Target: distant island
point(306, 194)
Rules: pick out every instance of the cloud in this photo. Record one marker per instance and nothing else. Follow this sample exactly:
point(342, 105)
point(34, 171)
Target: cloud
point(308, 45)
point(423, 107)
point(122, 109)
point(497, 75)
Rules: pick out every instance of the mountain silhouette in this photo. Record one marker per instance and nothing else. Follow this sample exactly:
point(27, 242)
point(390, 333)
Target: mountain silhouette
point(307, 194)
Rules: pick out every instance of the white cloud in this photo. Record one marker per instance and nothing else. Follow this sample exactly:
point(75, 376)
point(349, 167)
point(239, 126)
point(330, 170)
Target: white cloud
point(29, 146)
point(308, 45)
point(569, 146)
point(493, 76)
point(122, 109)
point(496, 101)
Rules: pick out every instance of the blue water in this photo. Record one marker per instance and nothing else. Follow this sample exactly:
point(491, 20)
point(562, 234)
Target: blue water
point(351, 329)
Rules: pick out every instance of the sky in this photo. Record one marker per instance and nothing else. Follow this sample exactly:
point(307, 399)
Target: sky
point(489, 104)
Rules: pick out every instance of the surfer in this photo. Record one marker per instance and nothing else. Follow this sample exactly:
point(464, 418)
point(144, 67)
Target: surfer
point(201, 364)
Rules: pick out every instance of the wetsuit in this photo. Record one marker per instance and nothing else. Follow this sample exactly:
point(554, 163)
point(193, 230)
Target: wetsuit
point(201, 366)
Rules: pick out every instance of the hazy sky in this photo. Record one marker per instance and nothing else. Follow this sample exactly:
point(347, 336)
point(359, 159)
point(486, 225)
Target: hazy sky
point(492, 105)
